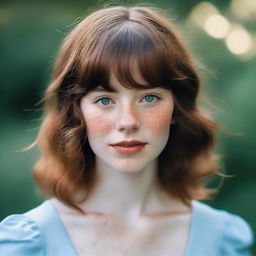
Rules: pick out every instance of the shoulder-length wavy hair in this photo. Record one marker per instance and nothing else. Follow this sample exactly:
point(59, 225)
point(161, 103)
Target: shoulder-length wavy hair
point(109, 40)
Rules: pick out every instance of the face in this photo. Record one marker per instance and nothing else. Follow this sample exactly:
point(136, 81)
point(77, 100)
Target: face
point(125, 115)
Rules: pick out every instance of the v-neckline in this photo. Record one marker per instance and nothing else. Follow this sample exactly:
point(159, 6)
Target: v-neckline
point(69, 244)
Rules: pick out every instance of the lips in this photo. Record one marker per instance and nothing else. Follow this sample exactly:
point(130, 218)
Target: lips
point(129, 147)
point(129, 143)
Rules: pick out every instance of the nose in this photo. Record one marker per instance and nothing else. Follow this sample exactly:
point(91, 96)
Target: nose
point(128, 119)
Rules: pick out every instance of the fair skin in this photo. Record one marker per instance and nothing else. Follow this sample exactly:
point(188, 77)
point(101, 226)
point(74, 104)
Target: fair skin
point(127, 213)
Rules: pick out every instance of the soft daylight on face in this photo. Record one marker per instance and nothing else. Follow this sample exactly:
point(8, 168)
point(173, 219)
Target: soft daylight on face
point(125, 115)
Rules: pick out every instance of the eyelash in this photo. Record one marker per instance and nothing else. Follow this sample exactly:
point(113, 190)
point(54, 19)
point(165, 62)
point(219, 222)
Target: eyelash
point(106, 97)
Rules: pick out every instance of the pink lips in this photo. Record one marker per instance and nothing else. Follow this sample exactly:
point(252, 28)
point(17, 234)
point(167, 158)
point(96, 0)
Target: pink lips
point(129, 147)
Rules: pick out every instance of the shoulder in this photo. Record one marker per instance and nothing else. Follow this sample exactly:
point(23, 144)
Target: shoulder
point(20, 235)
point(232, 233)
point(38, 232)
point(27, 234)
point(237, 234)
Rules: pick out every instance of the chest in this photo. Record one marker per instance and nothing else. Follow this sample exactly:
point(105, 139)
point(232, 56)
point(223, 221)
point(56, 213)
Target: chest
point(115, 237)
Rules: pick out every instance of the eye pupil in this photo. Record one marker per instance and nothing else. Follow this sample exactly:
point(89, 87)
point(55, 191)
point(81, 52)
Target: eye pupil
point(149, 98)
point(105, 101)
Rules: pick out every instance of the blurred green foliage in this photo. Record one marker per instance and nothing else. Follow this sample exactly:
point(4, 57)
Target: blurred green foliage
point(31, 32)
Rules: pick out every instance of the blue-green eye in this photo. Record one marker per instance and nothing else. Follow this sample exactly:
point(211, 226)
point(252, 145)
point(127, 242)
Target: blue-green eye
point(150, 98)
point(104, 101)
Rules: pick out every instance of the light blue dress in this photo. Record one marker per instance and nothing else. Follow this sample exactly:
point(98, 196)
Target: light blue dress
point(40, 232)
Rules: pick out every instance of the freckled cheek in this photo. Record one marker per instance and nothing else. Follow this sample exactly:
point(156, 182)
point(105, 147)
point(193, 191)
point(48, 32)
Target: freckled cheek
point(97, 124)
point(159, 120)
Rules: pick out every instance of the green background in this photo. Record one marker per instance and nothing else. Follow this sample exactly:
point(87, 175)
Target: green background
point(31, 32)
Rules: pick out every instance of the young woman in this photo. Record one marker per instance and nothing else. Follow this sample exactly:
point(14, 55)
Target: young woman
point(125, 150)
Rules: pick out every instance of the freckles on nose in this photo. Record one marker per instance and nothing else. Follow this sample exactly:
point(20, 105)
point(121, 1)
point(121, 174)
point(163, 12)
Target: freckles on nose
point(97, 124)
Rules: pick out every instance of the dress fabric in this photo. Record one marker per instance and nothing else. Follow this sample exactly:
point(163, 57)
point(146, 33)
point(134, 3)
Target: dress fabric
point(40, 232)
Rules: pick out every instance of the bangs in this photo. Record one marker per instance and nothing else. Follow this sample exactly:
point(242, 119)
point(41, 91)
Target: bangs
point(124, 51)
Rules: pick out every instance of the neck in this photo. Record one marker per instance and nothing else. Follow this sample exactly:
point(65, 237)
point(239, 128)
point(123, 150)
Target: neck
point(128, 194)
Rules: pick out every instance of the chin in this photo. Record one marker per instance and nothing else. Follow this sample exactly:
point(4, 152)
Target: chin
point(129, 170)
point(130, 166)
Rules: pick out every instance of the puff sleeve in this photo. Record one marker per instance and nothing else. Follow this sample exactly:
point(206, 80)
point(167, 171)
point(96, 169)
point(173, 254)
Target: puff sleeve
point(237, 237)
point(20, 236)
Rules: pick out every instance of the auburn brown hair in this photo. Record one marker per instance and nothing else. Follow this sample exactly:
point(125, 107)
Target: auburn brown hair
point(109, 40)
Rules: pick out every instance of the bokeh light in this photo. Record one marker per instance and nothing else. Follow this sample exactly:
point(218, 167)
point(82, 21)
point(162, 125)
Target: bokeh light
point(216, 26)
point(244, 9)
point(201, 12)
point(239, 41)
